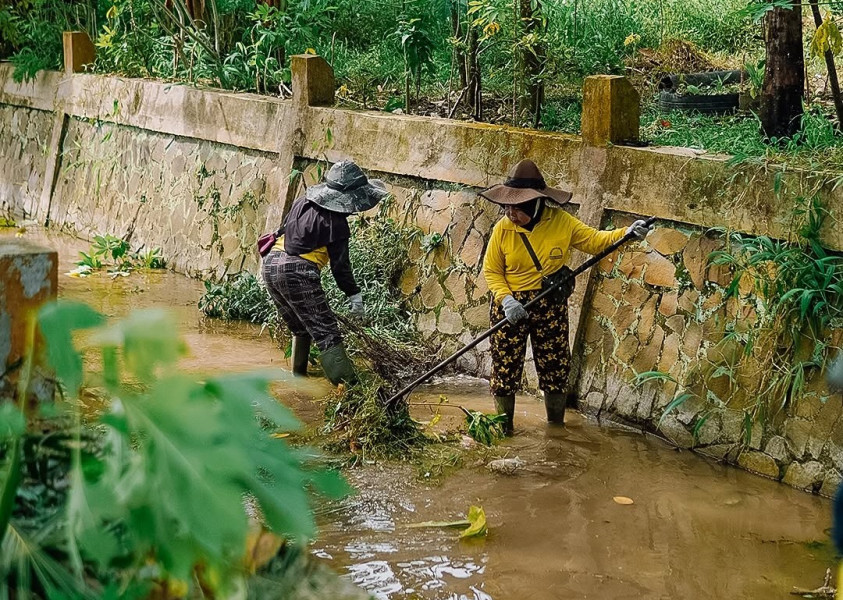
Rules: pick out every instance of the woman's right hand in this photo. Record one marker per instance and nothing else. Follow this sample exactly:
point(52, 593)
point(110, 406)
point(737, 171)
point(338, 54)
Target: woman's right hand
point(513, 310)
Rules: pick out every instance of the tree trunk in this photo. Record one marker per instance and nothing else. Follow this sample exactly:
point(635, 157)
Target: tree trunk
point(531, 61)
point(833, 82)
point(458, 56)
point(406, 83)
point(472, 68)
point(784, 75)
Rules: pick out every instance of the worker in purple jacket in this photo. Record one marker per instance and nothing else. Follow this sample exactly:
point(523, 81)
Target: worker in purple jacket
point(316, 234)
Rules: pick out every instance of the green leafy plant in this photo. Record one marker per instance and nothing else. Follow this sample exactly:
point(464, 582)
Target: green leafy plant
point(151, 258)
point(113, 252)
point(417, 49)
point(110, 246)
point(486, 429)
point(431, 242)
point(240, 296)
point(151, 494)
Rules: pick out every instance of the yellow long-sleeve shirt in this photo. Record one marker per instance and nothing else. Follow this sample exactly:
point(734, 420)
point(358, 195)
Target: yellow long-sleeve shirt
point(507, 265)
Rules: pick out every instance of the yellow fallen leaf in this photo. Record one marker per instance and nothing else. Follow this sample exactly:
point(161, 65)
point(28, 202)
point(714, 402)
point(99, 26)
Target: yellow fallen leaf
point(623, 500)
point(477, 518)
point(279, 436)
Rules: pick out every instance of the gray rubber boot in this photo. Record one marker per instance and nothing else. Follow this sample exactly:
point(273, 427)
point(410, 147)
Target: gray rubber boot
point(301, 354)
point(337, 366)
point(554, 404)
point(505, 405)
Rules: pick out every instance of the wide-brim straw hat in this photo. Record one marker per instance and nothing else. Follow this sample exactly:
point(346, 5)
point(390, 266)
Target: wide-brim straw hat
point(347, 190)
point(524, 184)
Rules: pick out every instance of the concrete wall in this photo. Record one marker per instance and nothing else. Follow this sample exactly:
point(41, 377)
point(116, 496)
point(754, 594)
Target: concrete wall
point(201, 173)
point(25, 135)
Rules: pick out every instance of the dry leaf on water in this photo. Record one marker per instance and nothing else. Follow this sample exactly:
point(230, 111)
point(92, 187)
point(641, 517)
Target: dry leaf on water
point(623, 500)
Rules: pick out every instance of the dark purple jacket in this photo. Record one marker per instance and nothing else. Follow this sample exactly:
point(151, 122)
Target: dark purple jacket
point(309, 226)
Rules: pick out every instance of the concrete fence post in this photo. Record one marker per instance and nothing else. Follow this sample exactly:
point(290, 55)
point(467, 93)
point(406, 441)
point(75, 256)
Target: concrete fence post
point(79, 51)
point(313, 85)
point(611, 110)
point(28, 279)
point(313, 80)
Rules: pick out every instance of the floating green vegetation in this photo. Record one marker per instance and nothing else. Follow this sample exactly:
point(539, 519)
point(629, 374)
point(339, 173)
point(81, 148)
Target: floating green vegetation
point(113, 254)
point(358, 420)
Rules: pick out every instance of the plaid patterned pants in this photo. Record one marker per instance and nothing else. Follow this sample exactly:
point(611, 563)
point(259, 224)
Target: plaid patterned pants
point(296, 288)
point(547, 327)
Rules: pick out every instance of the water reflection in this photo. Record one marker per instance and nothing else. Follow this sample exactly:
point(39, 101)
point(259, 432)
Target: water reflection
point(429, 577)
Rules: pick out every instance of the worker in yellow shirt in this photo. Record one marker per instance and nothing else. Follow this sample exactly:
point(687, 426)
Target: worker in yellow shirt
point(314, 235)
point(527, 250)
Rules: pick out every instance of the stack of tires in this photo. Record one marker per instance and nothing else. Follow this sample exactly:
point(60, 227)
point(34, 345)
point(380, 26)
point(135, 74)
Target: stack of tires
point(710, 104)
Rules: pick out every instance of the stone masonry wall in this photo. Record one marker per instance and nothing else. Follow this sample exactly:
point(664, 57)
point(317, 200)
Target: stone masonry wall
point(660, 306)
point(202, 203)
point(24, 137)
point(201, 174)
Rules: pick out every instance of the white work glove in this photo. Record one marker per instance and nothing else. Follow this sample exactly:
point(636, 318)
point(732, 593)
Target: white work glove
point(513, 309)
point(357, 308)
point(639, 229)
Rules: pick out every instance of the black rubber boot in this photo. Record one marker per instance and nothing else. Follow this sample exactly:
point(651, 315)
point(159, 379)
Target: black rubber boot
point(505, 405)
point(301, 354)
point(554, 404)
point(337, 366)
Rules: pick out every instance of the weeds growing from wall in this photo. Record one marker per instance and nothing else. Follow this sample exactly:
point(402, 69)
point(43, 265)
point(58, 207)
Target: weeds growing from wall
point(788, 296)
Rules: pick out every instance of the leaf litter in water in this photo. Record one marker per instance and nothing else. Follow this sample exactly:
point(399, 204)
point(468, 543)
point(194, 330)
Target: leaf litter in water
point(623, 500)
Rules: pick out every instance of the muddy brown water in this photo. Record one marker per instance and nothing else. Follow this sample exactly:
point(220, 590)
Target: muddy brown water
point(696, 529)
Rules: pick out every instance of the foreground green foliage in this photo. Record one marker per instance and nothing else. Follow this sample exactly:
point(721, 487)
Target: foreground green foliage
point(151, 494)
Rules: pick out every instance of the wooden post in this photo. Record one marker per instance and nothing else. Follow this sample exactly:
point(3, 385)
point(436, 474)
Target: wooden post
point(784, 72)
point(611, 110)
point(79, 51)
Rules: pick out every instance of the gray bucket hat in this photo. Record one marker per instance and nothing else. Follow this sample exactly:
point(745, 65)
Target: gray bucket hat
point(347, 190)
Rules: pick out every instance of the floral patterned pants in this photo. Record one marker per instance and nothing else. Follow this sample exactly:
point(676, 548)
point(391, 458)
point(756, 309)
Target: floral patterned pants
point(547, 327)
